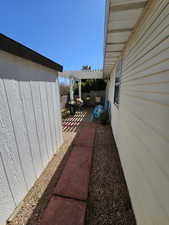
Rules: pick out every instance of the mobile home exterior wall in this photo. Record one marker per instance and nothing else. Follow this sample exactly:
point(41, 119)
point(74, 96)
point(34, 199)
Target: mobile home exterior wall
point(30, 126)
point(140, 123)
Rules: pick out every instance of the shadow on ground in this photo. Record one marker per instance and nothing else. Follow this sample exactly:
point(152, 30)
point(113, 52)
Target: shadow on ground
point(42, 204)
point(72, 123)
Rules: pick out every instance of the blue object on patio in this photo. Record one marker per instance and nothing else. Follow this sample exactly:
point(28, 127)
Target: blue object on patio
point(97, 112)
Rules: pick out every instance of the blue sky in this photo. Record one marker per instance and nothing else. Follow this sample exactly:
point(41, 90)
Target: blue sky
point(69, 32)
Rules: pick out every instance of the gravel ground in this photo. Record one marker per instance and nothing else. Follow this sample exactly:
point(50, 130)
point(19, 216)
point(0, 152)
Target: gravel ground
point(109, 202)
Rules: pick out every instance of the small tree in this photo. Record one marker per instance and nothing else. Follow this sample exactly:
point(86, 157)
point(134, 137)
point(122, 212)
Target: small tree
point(64, 89)
point(86, 67)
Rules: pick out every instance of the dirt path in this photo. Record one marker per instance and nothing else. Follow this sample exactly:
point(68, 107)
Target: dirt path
point(108, 201)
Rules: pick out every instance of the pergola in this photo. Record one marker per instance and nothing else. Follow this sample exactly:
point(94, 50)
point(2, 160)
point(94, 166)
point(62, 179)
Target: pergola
point(78, 76)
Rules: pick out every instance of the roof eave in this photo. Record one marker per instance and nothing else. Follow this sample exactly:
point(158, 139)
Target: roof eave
point(15, 48)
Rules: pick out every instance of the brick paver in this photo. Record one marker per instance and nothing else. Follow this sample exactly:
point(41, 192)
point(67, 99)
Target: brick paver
point(61, 211)
point(86, 136)
point(68, 203)
point(75, 177)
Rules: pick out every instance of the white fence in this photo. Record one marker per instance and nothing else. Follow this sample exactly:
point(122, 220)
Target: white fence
point(30, 130)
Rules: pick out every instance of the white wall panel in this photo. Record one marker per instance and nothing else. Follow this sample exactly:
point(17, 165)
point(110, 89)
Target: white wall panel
point(51, 114)
point(30, 127)
point(9, 151)
point(35, 90)
point(45, 111)
point(6, 199)
point(29, 115)
point(57, 108)
point(56, 124)
point(18, 120)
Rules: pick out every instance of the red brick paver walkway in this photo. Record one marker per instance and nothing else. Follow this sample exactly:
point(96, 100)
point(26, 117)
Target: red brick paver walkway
point(75, 178)
point(62, 211)
point(68, 203)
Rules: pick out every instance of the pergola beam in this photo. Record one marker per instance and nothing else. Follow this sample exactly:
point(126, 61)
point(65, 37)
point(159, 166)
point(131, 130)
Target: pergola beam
point(82, 74)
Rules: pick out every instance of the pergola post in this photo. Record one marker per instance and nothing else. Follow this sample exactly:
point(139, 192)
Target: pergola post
point(80, 89)
point(71, 91)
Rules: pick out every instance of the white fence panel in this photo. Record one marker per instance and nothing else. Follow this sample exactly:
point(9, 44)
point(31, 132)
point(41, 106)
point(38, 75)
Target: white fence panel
point(35, 90)
point(9, 151)
point(31, 126)
point(46, 117)
point(51, 114)
point(20, 130)
point(57, 112)
point(7, 200)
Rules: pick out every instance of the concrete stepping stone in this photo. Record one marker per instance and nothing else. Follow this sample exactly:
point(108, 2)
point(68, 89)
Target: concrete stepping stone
point(61, 211)
point(75, 177)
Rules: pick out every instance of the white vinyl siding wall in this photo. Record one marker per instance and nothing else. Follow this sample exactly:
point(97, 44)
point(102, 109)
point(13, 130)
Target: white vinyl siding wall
point(141, 125)
point(30, 127)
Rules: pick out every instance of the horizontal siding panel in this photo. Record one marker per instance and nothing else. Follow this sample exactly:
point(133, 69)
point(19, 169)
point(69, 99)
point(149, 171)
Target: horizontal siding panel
point(155, 99)
point(141, 122)
point(140, 125)
point(139, 188)
point(155, 77)
point(160, 88)
point(157, 68)
point(152, 36)
point(157, 176)
point(149, 15)
point(150, 63)
point(143, 30)
point(157, 49)
point(145, 199)
point(161, 97)
point(152, 118)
